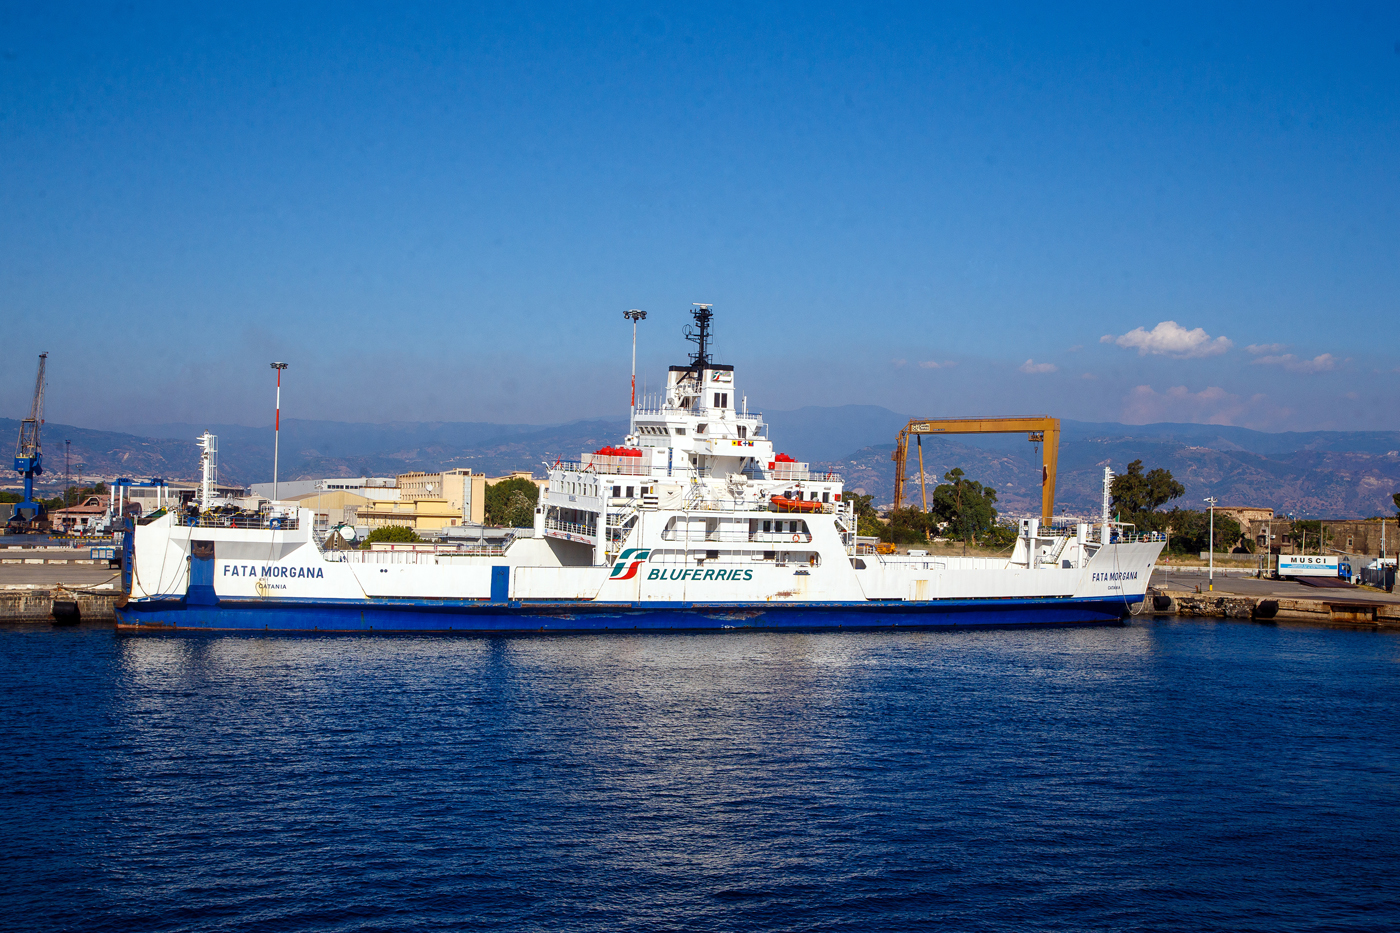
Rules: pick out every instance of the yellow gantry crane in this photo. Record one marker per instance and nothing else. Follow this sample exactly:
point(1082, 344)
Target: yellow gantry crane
point(1041, 429)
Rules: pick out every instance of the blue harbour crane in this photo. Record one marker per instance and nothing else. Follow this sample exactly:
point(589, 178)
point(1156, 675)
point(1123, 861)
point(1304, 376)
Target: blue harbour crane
point(30, 515)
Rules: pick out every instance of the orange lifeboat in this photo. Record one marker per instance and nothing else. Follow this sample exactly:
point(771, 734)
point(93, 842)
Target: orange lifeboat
point(785, 504)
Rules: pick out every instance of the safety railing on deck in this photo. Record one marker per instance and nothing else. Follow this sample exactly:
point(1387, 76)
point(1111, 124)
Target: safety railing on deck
point(253, 521)
point(616, 466)
point(697, 536)
point(573, 528)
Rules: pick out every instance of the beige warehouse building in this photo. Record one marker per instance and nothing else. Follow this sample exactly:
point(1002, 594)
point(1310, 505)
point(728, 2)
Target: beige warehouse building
point(430, 502)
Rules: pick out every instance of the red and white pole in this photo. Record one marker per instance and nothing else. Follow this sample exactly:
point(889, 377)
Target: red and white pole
point(634, 316)
point(277, 427)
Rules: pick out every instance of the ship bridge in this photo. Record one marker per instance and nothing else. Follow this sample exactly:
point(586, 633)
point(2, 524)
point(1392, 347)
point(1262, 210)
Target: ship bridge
point(693, 447)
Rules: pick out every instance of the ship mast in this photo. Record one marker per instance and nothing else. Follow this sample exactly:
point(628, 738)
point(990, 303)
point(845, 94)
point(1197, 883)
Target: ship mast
point(699, 335)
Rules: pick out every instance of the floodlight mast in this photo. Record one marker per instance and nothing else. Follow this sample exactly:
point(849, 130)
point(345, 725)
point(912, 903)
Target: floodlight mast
point(1211, 544)
point(634, 316)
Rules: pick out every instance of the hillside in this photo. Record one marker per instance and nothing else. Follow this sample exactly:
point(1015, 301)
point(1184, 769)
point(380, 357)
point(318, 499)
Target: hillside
point(1310, 473)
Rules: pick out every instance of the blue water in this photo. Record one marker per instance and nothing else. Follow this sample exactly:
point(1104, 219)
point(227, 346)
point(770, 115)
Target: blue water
point(1163, 776)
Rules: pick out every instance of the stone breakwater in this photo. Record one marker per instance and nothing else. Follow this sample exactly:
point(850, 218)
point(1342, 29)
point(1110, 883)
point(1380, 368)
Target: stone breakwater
point(1349, 611)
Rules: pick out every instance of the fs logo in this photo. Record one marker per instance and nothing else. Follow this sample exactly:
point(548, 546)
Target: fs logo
point(628, 562)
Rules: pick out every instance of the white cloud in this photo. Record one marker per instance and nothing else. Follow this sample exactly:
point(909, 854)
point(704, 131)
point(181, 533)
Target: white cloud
point(934, 364)
point(1318, 364)
point(1171, 339)
point(1212, 405)
point(1031, 366)
point(898, 363)
point(1258, 348)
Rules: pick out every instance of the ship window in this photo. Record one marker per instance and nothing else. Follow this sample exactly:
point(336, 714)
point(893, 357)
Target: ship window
point(700, 429)
point(857, 563)
point(629, 492)
point(743, 431)
point(680, 432)
point(617, 492)
point(712, 555)
point(770, 555)
point(826, 497)
point(768, 527)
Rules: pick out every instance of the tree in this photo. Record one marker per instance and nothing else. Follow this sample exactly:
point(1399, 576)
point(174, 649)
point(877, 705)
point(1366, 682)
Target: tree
point(1188, 530)
point(868, 523)
point(964, 507)
point(511, 503)
point(392, 534)
point(1134, 493)
point(1000, 537)
point(909, 525)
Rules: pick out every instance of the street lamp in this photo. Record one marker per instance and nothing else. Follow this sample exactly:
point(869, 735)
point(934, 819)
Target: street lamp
point(277, 427)
point(634, 316)
point(1211, 546)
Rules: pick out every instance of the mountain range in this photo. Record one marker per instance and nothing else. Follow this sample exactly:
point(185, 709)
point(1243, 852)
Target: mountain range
point(1314, 473)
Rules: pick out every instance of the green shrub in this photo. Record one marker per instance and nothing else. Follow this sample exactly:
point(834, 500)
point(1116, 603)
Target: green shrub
point(392, 534)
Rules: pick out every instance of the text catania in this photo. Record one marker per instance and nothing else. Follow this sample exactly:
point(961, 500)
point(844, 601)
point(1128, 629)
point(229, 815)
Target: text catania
point(274, 570)
point(695, 573)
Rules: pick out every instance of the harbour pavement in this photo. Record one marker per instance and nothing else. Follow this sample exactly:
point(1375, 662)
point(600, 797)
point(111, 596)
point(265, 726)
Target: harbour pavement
point(56, 584)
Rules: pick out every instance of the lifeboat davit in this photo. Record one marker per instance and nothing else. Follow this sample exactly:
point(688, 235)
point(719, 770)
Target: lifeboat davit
point(785, 504)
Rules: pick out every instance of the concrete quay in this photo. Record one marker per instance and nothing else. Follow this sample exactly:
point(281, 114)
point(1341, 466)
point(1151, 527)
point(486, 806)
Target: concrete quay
point(56, 585)
point(1186, 592)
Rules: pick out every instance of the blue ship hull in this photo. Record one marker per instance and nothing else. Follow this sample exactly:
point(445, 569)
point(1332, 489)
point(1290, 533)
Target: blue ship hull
point(401, 615)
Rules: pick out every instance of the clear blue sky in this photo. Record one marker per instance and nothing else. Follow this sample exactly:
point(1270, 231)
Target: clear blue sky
point(441, 213)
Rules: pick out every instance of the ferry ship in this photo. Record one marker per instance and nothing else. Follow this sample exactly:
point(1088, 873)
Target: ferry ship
point(695, 521)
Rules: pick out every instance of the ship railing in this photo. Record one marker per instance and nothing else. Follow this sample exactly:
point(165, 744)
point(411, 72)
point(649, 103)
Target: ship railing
point(616, 466)
point(1130, 537)
point(706, 503)
point(734, 537)
point(573, 528)
point(251, 521)
point(412, 557)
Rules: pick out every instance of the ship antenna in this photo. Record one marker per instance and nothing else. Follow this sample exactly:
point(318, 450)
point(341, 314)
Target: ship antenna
point(699, 335)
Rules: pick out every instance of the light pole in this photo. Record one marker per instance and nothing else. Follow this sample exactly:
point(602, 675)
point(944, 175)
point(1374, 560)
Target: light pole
point(1211, 546)
point(277, 427)
point(634, 316)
